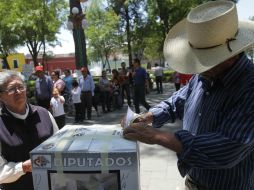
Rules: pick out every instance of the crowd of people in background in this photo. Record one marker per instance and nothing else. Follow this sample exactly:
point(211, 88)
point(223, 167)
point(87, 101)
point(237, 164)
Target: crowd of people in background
point(76, 96)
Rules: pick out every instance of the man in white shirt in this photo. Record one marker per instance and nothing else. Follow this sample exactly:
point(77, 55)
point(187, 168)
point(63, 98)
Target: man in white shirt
point(158, 73)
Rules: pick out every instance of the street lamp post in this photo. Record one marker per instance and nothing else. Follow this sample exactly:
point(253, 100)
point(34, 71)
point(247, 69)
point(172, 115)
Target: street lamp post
point(77, 23)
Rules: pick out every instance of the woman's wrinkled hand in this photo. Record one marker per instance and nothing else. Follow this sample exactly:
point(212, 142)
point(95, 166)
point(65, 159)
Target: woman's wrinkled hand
point(27, 166)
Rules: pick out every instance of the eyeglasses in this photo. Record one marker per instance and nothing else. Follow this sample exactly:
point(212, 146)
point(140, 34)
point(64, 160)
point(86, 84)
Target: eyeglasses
point(14, 89)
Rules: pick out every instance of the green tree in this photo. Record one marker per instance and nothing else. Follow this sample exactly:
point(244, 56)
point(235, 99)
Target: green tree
point(102, 32)
point(37, 23)
point(9, 40)
point(131, 14)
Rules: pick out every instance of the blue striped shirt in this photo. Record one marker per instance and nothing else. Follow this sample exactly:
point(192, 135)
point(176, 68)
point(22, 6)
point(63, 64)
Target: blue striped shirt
point(87, 84)
point(218, 128)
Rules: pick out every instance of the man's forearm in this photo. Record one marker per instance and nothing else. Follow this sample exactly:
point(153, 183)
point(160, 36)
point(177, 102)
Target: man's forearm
point(168, 140)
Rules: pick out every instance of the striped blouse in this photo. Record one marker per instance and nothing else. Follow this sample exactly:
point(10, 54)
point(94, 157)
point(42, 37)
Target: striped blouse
point(218, 128)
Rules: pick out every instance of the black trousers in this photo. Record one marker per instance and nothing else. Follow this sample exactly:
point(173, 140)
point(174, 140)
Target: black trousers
point(177, 86)
point(159, 87)
point(105, 101)
point(60, 121)
point(87, 102)
point(78, 111)
point(139, 97)
point(126, 90)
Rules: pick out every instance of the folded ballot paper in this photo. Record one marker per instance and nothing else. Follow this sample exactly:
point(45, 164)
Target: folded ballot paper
point(130, 117)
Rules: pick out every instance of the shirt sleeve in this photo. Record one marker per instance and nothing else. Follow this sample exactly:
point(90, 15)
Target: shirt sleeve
point(92, 85)
point(80, 83)
point(55, 127)
point(51, 102)
point(62, 99)
point(170, 109)
point(225, 148)
point(10, 171)
point(50, 85)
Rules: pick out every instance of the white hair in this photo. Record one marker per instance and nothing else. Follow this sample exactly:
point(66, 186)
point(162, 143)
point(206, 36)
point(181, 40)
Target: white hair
point(5, 76)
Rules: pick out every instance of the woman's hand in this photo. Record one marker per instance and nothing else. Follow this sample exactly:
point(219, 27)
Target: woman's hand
point(27, 166)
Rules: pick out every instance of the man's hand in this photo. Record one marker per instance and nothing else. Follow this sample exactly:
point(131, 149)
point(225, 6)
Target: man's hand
point(27, 166)
point(143, 133)
point(142, 120)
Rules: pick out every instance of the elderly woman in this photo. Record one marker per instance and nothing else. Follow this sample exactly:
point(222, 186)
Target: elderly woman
point(22, 128)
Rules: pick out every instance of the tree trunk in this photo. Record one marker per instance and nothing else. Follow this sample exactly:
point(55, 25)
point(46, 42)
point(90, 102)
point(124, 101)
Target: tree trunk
point(34, 57)
point(128, 35)
point(79, 37)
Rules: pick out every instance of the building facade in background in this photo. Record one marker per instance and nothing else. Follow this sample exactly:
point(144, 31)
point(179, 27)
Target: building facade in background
point(16, 62)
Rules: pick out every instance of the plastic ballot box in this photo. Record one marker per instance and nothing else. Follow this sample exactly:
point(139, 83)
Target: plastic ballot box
point(80, 157)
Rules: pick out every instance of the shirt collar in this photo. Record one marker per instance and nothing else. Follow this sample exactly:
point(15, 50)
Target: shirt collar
point(235, 71)
point(20, 116)
point(228, 77)
point(209, 85)
point(10, 116)
point(29, 110)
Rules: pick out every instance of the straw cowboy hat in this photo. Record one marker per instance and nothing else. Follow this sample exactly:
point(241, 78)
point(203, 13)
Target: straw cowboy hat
point(208, 36)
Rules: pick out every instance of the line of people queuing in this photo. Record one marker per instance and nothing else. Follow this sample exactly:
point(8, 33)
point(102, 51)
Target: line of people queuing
point(65, 95)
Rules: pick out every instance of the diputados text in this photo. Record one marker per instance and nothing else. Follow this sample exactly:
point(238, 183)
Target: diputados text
point(92, 162)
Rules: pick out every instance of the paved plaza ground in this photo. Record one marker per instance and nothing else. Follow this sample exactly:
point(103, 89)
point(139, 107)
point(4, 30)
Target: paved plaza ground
point(158, 170)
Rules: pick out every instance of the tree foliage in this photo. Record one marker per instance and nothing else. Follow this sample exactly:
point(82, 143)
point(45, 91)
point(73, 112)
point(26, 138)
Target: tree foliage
point(102, 32)
point(131, 14)
point(9, 40)
point(36, 23)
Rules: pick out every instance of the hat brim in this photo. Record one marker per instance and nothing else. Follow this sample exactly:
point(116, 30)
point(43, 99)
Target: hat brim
point(188, 60)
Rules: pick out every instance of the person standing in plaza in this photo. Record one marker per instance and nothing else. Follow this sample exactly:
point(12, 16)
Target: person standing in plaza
point(116, 90)
point(158, 73)
point(104, 85)
point(43, 88)
point(76, 93)
point(22, 128)
point(139, 78)
point(215, 148)
point(86, 84)
point(68, 105)
point(57, 107)
point(125, 83)
point(177, 80)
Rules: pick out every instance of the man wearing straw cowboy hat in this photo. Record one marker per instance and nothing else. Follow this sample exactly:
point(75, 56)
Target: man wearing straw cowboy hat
point(215, 149)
